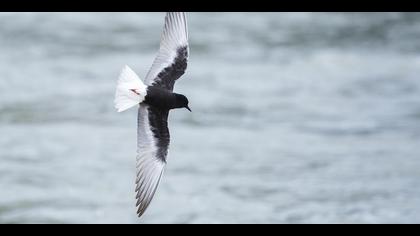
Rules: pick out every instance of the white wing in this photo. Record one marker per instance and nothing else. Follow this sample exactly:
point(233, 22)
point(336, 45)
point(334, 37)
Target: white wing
point(149, 166)
point(174, 38)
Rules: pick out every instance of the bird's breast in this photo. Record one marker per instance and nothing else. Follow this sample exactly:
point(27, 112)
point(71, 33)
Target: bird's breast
point(159, 98)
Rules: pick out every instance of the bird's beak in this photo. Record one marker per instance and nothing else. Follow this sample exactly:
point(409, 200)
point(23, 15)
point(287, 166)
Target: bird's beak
point(188, 108)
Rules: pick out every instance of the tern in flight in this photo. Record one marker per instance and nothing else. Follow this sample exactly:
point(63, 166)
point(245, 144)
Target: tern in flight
point(155, 98)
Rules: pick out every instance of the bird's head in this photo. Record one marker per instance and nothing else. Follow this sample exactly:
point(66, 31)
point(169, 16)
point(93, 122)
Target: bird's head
point(182, 102)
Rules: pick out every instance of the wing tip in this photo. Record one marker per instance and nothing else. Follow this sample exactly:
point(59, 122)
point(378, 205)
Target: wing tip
point(140, 212)
point(146, 193)
point(177, 21)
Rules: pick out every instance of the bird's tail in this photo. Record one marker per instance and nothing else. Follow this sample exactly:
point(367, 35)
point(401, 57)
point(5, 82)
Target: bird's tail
point(130, 91)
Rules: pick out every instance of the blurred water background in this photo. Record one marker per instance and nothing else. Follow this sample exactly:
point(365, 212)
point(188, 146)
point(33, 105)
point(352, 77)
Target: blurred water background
point(297, 118)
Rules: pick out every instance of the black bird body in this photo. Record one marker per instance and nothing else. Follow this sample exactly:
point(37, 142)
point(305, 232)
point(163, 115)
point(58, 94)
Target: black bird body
point(164, 99)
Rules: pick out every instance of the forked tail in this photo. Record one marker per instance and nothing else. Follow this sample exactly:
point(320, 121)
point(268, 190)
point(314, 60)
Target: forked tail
point(130, 90)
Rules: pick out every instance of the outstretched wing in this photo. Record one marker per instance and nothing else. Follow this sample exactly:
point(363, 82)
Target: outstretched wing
point(152, 149)
point(171, 60)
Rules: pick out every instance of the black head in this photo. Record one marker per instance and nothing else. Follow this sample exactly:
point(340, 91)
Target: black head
point(181, 101)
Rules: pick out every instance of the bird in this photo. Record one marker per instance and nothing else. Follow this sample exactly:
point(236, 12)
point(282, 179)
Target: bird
point(155, 98)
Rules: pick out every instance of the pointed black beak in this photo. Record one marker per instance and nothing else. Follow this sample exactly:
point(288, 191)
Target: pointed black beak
point(188, 108)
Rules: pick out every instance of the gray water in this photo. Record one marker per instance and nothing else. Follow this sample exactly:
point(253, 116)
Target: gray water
point(297, 118)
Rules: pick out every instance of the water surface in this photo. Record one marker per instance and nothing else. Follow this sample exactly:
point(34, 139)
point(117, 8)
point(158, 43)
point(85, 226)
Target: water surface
point(297, 118)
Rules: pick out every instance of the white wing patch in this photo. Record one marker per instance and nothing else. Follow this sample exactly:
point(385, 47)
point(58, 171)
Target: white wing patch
point(130, 90)
point(149, 167)
point(174, 36)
